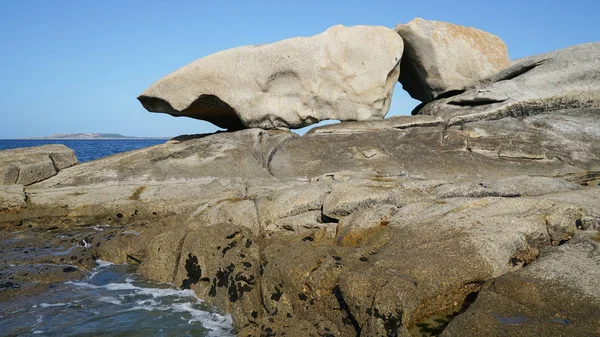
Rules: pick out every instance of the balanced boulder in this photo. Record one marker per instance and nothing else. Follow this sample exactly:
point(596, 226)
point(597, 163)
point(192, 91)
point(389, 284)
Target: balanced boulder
point(441, 57)
point(344, 73)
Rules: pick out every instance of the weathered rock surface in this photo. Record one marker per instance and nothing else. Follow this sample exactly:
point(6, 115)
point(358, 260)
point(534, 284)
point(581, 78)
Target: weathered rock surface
point(240, 154)
point(407, 226)
point(541, 145)
point(440, 57)
point(564, 79)
point(26, 166)
point(344, 73)
point(555, 296)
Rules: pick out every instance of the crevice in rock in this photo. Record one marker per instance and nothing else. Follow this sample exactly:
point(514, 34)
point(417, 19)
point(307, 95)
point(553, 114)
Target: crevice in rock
point(435, 325)
point(178, 259)
point(133, 258)
point(53, 163)
point(326, 219)
point(271, 155)
point(350, 319)
point(586, 179)
point(18, 175)
point(516, 71)
point(449, 94)
point(475, 102)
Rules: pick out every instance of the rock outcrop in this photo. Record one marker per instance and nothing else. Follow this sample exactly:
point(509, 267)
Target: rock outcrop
point(344, 73)
point(29, 165)
point(563, 79)
point(441, 57)
point(415, 225)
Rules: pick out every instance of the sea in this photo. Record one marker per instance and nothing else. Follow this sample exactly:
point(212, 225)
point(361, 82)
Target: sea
point(112, 300)
point(85, 149)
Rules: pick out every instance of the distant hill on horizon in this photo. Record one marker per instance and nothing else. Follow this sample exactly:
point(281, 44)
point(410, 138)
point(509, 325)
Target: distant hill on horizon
point(91, 136)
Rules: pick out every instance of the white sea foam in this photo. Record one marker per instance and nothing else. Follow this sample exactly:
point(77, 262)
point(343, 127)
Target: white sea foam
point(47, 305)
point(148, 301)
point(219, 325)
point(130, 296)
point(85, 244)
point(110, 299)
point(100, 228)
point(154, 292)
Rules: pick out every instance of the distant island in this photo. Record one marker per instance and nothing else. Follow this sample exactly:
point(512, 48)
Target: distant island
point(92, 136)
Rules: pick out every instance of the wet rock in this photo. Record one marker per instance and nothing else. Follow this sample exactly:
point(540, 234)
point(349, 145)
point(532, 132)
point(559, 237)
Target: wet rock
point(221, 264)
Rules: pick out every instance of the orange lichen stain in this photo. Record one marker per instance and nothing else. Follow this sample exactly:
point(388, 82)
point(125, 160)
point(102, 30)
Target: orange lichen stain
point(487, 44)
point(471, 205)
point(136, 194)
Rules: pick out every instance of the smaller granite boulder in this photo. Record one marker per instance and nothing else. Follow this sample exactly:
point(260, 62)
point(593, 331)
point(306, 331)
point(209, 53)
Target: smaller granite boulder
point(29, 165)
point(344, 73)
point(441, 57)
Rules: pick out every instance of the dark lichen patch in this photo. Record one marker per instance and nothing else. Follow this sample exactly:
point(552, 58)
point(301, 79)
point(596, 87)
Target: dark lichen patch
point(248, 243)
point(268, 332)
point(232, 292)
point(231, 236)
point(276, 296)
point(213, 288)
point(247, 264)
point(302, 296)
point(231, 245)
point(391, 322)
point(194, 272)
point(223, 275)
point(254, 314)
point(9, 285)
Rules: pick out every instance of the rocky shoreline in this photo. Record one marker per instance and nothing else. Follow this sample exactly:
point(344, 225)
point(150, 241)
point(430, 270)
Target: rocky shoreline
point(479, 215)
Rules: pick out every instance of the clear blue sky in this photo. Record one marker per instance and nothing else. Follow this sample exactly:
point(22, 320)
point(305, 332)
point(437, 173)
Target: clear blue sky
point(78, 66)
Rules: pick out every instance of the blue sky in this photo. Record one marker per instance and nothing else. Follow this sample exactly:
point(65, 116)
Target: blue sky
point(78, 66)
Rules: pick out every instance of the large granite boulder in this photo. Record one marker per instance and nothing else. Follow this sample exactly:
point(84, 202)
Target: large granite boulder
point(26, 166)
point(563, 79)
point(440, 57)
point(344, 73)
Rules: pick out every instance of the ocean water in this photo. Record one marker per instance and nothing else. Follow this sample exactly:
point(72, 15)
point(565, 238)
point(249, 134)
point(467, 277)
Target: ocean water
point(114, 301)
point(85, 150)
